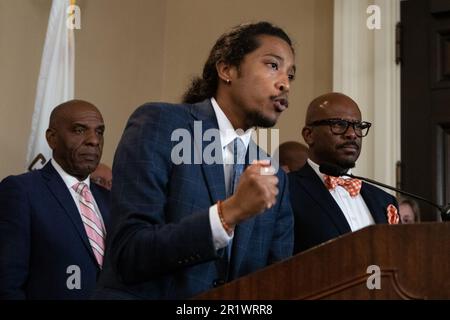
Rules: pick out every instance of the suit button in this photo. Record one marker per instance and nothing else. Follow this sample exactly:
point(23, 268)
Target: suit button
point(218, 282)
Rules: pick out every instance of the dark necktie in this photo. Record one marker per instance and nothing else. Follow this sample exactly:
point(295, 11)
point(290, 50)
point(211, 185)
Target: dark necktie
point(239, 152)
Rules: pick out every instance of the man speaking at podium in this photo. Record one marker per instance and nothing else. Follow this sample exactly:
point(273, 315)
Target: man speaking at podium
point(326, 207)
point(180, 229)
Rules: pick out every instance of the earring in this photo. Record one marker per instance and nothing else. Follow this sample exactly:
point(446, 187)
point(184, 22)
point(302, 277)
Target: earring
point(228, 81)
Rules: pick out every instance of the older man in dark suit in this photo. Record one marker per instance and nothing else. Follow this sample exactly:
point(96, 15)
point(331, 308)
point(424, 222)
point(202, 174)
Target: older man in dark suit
point(184, 226)
point(326, 207)
point(53, 221)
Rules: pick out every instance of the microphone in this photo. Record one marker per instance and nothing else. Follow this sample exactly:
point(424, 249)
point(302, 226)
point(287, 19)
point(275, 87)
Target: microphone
point(337, 171)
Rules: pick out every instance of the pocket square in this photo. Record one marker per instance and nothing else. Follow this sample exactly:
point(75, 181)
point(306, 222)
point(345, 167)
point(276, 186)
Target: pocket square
point(392, 214)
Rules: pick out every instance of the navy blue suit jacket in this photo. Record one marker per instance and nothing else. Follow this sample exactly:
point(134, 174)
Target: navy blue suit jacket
point(161, 246)
point(318, 217)
point(41, 235)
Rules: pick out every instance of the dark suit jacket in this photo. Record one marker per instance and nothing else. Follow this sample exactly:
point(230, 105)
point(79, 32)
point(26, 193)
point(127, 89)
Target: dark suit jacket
point(161, 246)
point(318, 217)
point(41, 235)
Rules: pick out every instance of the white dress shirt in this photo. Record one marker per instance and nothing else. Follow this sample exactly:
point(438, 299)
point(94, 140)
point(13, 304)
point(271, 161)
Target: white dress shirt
point(355, 209)
point(70, 181)
point(227, 135)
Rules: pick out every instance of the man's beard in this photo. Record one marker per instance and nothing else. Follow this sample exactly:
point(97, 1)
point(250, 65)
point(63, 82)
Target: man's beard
point(346, 164)
point(257, 119)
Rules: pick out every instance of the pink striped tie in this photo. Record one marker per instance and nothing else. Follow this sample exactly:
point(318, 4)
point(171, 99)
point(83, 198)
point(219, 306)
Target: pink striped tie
point(92, 223)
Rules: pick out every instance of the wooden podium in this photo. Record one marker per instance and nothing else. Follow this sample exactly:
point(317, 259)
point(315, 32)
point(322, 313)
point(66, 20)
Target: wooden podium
point(414, 263)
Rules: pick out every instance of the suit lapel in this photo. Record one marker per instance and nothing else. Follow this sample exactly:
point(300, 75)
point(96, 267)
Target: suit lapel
point(314, 186)
point(215, 181)
point(379, 216)
point(59, 190)
point(213, 173)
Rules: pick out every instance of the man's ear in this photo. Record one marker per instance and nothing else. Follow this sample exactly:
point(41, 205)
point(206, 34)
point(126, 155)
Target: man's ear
point(50, 135)
point(225, 71)
point(307, 134)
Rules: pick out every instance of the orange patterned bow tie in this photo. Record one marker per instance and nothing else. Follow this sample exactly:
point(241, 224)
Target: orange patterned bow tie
point(353, 186)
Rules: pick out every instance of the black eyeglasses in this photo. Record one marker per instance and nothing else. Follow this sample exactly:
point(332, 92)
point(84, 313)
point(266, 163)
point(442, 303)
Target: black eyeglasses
point(340, 126)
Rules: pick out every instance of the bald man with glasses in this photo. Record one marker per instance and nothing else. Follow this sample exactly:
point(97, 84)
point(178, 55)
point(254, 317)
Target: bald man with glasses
point(326, 207)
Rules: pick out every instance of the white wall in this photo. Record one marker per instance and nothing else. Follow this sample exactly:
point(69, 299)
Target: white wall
point(364, 68)
point(131, 52)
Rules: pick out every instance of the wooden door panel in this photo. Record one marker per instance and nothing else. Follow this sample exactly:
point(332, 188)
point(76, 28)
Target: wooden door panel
point(425, 101)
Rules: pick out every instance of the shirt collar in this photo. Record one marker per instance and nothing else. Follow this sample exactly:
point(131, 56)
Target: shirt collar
point(226, 129)
point(69, 180)
point(315, 167)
